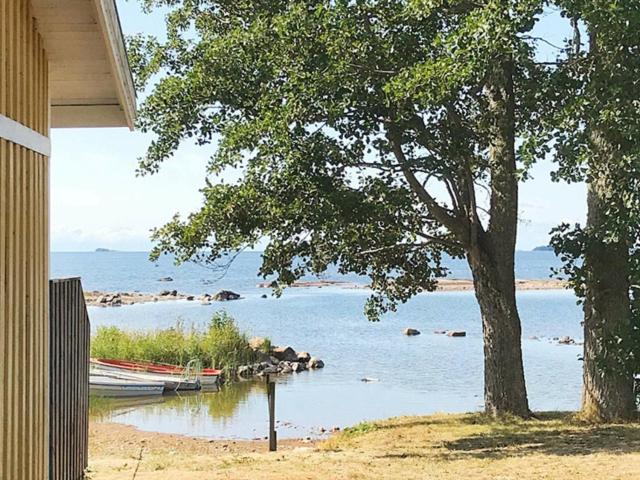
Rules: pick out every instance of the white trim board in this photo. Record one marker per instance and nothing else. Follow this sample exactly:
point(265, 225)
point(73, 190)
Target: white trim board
point(17, 133)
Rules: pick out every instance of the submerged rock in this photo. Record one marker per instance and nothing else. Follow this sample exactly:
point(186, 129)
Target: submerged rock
point(411, 332)
point(165, 279)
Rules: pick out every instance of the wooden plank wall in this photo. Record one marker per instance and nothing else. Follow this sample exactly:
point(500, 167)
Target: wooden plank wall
point(24, 251)
point(69, 391)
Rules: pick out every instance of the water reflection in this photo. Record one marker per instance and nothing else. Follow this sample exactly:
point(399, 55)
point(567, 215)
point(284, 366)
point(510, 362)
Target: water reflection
point(207, 414)
point(219, 404)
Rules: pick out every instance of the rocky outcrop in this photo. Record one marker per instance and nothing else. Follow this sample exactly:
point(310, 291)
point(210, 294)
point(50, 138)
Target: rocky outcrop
point(225, 296)
point(279, 361)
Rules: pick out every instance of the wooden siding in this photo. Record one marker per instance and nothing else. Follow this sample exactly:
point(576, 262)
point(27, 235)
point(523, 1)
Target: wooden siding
point(69, 374)
point(24, 251)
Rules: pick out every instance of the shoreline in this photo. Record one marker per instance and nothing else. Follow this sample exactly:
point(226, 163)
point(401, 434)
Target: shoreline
point(97, 298)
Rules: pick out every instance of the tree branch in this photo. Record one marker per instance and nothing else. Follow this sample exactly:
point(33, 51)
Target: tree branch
point(440, 213)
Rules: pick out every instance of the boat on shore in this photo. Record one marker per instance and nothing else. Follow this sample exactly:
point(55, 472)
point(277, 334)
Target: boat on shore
point(175, 377)
point(104, 386)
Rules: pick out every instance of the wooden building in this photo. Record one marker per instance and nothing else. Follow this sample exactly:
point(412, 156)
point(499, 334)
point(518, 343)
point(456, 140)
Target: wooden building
point(62, 64)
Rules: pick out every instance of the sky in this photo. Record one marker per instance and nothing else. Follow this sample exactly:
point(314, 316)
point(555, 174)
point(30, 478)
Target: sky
point(97, 201)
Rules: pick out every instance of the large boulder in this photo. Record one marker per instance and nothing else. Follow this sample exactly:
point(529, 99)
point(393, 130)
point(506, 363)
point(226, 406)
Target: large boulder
point(256, 343)
point(285, 353)
point(315, 363)
point(263, 357)
point(226, 295)
point(411, 332)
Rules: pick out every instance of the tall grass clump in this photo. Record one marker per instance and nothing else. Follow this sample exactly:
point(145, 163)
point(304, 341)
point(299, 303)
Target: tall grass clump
point(220, 345)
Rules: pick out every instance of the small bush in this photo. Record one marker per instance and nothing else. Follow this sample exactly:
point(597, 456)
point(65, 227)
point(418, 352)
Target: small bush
point(220, 345)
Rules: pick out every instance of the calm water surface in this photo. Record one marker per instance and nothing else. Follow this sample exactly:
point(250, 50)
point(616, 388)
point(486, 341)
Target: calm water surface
point(415, 375)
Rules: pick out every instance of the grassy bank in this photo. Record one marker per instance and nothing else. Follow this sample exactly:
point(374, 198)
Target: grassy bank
point(468, 446)
point(220, 345)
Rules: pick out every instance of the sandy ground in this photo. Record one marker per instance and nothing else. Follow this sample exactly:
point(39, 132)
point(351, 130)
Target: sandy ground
point(468, 446)
point(446, 284)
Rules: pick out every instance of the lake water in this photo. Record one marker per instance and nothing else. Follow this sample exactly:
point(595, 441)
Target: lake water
point(415, 375)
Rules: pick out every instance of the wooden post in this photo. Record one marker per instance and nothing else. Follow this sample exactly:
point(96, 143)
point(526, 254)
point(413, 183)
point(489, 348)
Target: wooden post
point(271, 396)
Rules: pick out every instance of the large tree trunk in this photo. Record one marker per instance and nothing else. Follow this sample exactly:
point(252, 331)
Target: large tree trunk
point(504, 386)
point(491, 258)
point(607, 390)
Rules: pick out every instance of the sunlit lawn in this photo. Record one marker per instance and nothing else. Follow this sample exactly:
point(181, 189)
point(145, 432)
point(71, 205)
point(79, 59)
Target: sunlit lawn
point(468, 446)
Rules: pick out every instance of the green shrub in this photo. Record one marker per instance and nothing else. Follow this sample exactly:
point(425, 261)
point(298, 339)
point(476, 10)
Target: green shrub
point(220, 345)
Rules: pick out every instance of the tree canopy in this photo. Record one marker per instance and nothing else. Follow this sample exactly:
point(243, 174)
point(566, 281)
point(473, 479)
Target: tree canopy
point(363, 130)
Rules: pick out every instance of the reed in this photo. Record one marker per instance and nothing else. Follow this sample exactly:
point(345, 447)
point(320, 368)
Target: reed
point(220, 345)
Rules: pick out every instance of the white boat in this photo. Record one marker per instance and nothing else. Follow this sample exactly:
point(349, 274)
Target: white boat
point(171, 383)
point(103, 386)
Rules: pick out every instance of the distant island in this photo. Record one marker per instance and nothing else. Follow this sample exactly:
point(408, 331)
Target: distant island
point(543, 248)
point(104, 250)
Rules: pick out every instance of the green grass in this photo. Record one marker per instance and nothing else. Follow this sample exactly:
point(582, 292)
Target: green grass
point(220, 345)
point(359, 429)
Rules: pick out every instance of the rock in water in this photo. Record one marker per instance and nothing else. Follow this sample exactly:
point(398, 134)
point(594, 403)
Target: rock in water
point(285, 353)
point(440, 332)
point(226, 295)
point(304, 357)
point(165, 279)
point(315, 363)
point(411, 332)
point(566, 341)
point(456, 333)
point(297, 367)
